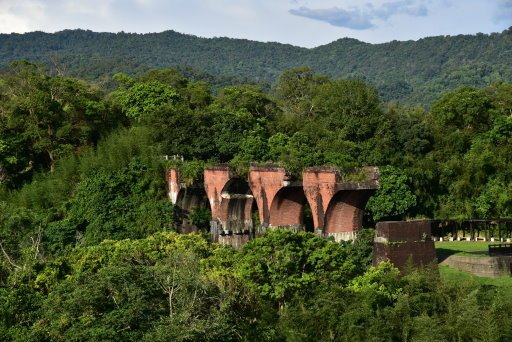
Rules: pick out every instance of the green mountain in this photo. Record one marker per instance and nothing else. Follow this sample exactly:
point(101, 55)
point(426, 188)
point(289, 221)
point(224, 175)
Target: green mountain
point(411, 72)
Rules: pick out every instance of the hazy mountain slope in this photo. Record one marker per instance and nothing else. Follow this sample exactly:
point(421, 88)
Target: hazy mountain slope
point(410, 71)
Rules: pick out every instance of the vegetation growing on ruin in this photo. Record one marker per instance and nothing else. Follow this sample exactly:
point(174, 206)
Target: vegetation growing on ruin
point(87, 247)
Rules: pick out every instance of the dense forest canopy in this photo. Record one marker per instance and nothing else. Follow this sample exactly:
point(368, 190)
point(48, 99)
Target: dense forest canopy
point(87, 248)
point(410, 72)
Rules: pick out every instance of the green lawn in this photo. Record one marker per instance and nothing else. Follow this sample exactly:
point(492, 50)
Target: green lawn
point(460, 278)
point(468, 248)
point(456, 277)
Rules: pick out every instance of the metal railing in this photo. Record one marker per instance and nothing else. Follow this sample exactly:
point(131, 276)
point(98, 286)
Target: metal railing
point(500, 249)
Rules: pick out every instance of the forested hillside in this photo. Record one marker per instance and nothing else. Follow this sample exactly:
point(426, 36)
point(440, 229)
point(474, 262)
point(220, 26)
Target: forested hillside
point(411, 72)
point(88, 248)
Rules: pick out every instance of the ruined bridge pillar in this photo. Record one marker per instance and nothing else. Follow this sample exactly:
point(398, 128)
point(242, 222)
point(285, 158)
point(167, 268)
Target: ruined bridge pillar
point(338, 205)
point(173, 184)
point(404, 243)
point(280, 199)
point(185, 198)
point(232, 204)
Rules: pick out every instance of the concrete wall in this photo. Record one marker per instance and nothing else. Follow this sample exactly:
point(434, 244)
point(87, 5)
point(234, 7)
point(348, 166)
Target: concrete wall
point(481, 266)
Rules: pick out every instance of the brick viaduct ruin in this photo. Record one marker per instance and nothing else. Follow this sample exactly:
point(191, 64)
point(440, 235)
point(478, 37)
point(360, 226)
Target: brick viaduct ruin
point(244, 207)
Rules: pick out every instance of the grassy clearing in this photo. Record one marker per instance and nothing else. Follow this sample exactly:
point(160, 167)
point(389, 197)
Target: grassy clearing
point(467, 248)
point(458, 278)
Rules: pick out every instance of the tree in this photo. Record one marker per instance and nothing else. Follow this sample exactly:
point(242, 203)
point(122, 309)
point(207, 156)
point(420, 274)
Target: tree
point(394, 197)
point(466, 108)
point(144, 98)
point(296, 88)
point(45, 118)
point(246, 97)
point(350, 106)
point(283, 264)
point(120, 204)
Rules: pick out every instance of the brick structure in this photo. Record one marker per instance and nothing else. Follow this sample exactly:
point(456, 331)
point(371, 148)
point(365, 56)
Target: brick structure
point(278, 200)
point(173, 184)
point(401, 241)
point(338, 205)
point(288, 207)
point(185, 199)
point(215, 179)
point(232, 204)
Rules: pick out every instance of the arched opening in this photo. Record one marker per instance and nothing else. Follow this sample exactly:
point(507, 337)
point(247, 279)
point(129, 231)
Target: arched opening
point(192, 210)
point(345, 211)
point(237, 206)
point(255, 214)
point(290, 208)
point(307, 218)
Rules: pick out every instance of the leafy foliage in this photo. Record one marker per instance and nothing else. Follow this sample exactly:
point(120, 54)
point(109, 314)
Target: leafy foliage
point(85, 247)
point(411, 72)
point(394, 197)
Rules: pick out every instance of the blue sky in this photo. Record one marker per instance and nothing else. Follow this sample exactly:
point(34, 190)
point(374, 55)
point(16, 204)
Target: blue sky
point(306, 23)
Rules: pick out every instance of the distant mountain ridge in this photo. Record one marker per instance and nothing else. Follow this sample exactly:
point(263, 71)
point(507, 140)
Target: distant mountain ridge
point(411, 72)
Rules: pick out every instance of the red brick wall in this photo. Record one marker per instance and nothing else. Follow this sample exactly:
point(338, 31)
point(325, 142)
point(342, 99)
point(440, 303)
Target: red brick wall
point(399, 231)
point(265, 181)
point(173, 184)
point(215, 178)
point(219, 180)
point(336, 206)
point(345, 212)
point(287, 207)
point(401, 241)
point(419, 253)
point(319, 187)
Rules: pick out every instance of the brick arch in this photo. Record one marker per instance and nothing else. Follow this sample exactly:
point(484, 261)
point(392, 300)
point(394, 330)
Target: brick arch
point(345, 211)
point(237, 202)
point(187, 200)
point(287, 207)
point(236, 185)
point(190, 198)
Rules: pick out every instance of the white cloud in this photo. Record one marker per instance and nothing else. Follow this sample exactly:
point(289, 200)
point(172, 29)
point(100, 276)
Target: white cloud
point(353, 18)
point(92, 7)
point(263, 20)
point(21, 16)
point(362, 17)
point(504, 12)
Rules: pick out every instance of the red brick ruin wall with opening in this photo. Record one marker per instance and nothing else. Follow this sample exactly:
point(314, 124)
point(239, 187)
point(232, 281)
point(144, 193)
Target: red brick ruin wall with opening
point(265, 182)
point(336, 205)
point(215, 178)
point(342, 217)
point(319, 187)
point(287, 207)
point(345, 212)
